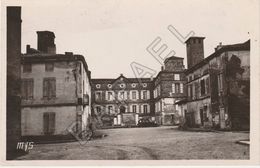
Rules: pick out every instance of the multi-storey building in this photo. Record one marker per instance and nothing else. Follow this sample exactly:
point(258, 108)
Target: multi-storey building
point(218, 86)
point(56, 90)
point(168, 89)
point(122, 101)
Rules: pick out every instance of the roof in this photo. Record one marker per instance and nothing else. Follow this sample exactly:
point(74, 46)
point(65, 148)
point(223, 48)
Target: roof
point(224, 48)
point(194, 37)
point(182, 101)
point(46, 32)
point(44, 57)
point(172, 58)
point(112, 80)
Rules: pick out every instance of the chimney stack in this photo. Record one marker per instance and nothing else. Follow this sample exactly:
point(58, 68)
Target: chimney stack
point(195, 50)
point(46, 42)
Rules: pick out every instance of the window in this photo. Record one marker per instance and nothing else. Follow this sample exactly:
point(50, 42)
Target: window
point(202, 87)
point(133, 95)
point(27, 67)
point(98, 109)
point(190, 91)
point(176, 76)
point(144, 84)
point(98, 96)
point(133, 85)
point(155, 93)
point(110, 109)
point(134, 108)
point(181, 88)
point(121, 95)
point(49, 67)
point(220, 84)
point(176, 88)
point(145, 110)
point(49, 123)
point(49, 88)
point(110, 96)
point(122, 85)
point(145, 94)
point(27, 89)
point(109, 86)
point(98, 86)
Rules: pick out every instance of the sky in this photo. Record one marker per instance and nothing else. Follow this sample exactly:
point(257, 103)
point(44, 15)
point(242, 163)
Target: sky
point(112, 34)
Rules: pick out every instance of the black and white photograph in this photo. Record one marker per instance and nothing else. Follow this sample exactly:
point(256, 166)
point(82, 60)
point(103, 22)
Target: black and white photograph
point(110, 80)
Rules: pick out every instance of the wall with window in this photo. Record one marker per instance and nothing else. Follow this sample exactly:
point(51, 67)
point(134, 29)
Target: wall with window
point(33, 121)
point(55, 83)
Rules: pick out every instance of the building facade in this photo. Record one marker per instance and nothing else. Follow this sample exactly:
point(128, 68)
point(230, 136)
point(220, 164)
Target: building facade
point(169, 88)
point(56, 90)
point(218, 87)
point(122, 101)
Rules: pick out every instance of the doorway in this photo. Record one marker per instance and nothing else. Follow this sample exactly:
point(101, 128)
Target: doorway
point(122, 109)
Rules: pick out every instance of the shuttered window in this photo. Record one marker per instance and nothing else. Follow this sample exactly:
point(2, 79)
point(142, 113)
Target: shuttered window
point(49, 88)
point(27, 89)
point(48, 123)
point(202, 87)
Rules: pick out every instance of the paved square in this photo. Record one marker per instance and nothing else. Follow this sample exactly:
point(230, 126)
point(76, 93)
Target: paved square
point(167, 143)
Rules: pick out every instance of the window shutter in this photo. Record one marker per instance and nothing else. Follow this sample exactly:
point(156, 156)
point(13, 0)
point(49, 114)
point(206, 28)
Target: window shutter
point(45, 87)
point(30, 88)
point(53, 86)
point(181, 87)
point(125, 95)
point(207, 85)
point(45, 123)
point(51, 123)
point(173, 88)
point(148, 94)
point(106, 96)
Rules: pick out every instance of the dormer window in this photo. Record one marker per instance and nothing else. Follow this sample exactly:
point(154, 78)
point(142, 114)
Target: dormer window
point(144, 84)
point(133, 85)
point(98, 86)
point(122, 85)
point(109, 86)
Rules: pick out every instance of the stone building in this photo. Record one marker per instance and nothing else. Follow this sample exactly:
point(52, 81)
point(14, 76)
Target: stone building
point(168, 89)
point(122, 101)
point(56, 90)
point(218, 86)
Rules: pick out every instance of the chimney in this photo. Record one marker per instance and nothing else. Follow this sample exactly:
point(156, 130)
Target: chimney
point(28, 47)
point(46, 42)
point(195, 50)
point(219, 46)
point(162, 68)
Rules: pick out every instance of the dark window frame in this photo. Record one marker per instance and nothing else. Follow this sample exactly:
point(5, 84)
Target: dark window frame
point(27, 88)
point(49, 87)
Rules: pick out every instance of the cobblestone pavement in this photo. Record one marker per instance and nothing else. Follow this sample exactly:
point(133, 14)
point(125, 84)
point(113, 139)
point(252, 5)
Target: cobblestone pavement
point(166, 143)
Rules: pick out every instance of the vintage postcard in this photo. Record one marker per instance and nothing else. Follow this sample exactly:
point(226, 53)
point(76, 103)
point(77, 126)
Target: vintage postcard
point(120, 82)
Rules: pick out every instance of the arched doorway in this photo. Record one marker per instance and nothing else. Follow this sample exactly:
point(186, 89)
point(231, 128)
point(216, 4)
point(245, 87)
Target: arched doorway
point(122, 109)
